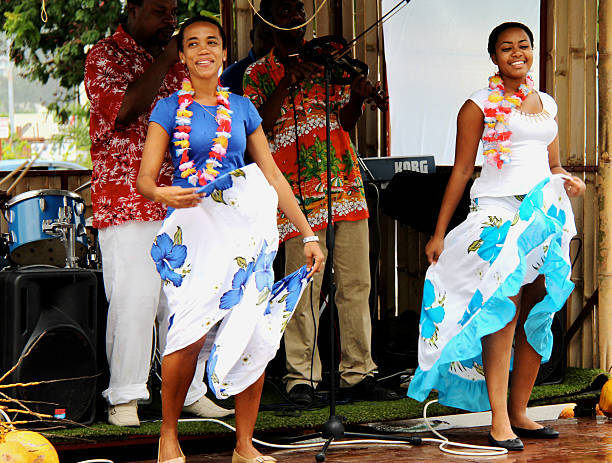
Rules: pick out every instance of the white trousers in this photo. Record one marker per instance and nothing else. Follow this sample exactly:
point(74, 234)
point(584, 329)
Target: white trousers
point(133, 289)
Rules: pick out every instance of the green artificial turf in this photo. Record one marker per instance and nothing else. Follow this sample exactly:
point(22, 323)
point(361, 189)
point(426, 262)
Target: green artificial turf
point(286, 419)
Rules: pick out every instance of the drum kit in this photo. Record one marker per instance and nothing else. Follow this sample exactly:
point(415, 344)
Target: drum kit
point(46, 228)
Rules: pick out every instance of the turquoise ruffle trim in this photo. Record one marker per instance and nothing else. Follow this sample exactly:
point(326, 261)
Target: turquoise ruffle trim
point(499, 310)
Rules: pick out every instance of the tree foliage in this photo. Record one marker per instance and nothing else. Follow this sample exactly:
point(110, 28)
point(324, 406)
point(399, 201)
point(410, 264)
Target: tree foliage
point(58, 47)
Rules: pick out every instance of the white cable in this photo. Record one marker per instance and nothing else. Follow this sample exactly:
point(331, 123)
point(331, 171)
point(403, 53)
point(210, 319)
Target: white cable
point(300, 446)
point(5, 416)
point(485, 451)
point(488, 451)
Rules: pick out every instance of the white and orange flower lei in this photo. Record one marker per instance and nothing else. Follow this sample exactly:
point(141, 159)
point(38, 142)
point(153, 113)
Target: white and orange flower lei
point(183, 128)
point(497, 109)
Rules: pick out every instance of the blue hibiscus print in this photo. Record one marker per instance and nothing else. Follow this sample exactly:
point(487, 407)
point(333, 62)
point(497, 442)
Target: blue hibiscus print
point(430, 316)
point(493, 239)
point(213, 381)
point(168, 256)
point(232, 297)
point(293, 285)
point(474, 306)
point(558, 214)
point(534, 200)
point(264, 274)
point(222, 183)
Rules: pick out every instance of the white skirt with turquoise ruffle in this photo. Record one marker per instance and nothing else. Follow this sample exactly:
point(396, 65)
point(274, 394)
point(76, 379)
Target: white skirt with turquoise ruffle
point(503, 244)
point(215, 260)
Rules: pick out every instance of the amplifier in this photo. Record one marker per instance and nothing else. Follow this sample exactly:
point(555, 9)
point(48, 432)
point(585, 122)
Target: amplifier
point(383, 169)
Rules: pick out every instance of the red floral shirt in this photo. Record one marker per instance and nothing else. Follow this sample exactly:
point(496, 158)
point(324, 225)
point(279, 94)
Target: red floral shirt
point(111, 65)
point(309, 184)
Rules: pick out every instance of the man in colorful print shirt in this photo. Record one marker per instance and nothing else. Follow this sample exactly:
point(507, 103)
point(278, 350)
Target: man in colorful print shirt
point(290, 97)
point(125, 75)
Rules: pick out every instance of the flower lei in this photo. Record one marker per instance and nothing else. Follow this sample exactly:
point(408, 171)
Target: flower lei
point(497, 109)
point(183, 128)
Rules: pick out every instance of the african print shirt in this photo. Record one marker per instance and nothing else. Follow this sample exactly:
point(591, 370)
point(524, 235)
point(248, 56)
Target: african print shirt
point(111, 65)
point(307, 174)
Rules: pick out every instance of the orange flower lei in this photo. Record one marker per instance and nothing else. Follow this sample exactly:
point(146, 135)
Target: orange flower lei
point(497, 109)
point(183, 128)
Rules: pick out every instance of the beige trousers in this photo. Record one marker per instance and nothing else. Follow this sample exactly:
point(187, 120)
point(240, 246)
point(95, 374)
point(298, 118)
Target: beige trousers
point(352, 275)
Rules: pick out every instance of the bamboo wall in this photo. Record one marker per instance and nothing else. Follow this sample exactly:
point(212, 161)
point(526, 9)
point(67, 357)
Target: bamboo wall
point(571, 78)
point(569, 29)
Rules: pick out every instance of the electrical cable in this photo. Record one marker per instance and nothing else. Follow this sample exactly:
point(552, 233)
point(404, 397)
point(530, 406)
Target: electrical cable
point(490, 451)
point(485, 451)
point(314, 341)
point(577, 251)
point(43, 12)
point(292, 91)
point(443, 441)
point(314, 15)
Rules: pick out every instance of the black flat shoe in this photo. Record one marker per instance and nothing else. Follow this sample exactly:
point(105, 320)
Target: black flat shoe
point(542, 433)
point(508, 444)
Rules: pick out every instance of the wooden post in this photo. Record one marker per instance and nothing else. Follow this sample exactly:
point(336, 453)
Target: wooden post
point(589, 248)
point(227, 21)
point(605, 184)
point(575, 158)
point(244, 22)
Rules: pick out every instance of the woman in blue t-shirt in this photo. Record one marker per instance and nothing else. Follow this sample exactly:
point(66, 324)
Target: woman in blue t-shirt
point(208, 130)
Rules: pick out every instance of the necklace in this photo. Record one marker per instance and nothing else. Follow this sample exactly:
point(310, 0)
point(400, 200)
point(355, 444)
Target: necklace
point(218, 149)
point(206, 109)
point(497, 110)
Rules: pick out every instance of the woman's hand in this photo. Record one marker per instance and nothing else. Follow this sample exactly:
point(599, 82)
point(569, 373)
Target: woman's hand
point(574, 186)
point(314, 258)
point(434, 248)
point(178, 197)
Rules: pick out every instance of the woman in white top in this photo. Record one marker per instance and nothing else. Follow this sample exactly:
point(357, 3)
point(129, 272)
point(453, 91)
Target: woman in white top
point(506, 268)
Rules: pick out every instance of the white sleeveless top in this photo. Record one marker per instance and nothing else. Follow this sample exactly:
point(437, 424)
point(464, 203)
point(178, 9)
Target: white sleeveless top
point(531, 135)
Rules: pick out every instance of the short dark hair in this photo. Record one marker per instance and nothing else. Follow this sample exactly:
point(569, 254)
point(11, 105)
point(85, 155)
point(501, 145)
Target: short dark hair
point(198, 19)
point(135, 2)
point(497, 31)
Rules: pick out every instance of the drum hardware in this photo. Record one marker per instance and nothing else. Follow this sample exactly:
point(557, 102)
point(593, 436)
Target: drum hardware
point(36, 219)
point(94, 259)
point(65, 229)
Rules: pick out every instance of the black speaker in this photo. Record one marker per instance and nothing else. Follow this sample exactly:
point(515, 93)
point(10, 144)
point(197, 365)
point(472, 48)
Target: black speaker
point(414, 199)
point(553, 371)
point(48, 321)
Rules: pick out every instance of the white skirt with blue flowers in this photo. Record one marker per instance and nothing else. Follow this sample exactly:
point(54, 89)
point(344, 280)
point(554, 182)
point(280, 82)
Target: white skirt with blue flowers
point(503, 244)
point(216, 264)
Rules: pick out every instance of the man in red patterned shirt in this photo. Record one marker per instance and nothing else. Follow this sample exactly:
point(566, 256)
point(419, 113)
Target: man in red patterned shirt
point(125, 75)
point(290, 97)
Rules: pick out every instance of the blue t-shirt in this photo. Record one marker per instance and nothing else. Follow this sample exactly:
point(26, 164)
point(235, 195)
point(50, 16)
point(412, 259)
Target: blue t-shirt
point(245, 119)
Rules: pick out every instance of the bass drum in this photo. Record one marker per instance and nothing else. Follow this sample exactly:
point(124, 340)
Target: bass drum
point(29, 216)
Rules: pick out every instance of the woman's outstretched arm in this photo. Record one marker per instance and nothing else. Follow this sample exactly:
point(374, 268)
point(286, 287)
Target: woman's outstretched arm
point(257, 146)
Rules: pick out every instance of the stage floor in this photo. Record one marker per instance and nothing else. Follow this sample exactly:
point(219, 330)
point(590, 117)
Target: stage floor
point(582, 440)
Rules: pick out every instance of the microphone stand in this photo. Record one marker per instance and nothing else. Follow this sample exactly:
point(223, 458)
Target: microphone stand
point(333, 428)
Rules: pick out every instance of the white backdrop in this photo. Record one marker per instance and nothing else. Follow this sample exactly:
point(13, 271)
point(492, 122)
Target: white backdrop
point(436, 55)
